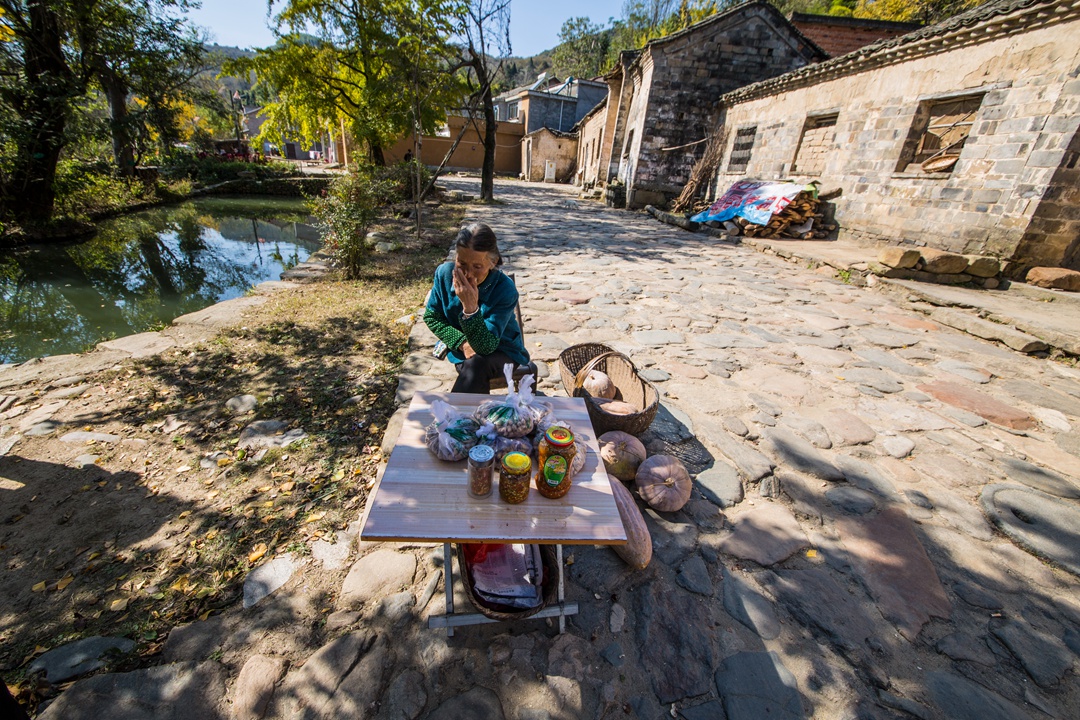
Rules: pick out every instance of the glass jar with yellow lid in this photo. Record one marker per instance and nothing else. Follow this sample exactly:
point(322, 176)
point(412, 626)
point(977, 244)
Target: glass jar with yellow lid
point(555, 456)
point(514, 477)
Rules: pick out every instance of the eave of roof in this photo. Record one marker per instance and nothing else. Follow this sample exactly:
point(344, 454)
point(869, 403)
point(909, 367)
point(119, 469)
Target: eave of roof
point(966, 28)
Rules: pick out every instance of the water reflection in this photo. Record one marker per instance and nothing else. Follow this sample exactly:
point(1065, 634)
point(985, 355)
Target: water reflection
point(142, 270)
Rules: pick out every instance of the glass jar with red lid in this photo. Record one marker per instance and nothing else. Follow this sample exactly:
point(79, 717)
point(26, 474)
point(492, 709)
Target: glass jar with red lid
point(555, 456)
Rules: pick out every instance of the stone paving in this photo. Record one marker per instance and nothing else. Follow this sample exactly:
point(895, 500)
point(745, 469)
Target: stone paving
point(885, 521)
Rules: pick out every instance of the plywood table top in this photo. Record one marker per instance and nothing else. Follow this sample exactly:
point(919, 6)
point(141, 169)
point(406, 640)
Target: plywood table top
point(421, 498)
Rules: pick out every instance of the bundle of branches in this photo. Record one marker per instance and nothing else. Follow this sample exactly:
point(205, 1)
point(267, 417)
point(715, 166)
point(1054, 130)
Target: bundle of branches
point(704, 170)
point(800, 220)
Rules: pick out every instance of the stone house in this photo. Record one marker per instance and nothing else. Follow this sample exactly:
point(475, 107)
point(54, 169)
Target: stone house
point(590, 130)
point(961, 136)
point(550, 103)
point(841, 35)
point(662, 99)
point(549, 155)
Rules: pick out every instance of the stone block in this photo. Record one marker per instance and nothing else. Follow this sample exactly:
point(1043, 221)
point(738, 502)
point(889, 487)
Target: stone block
point(940, 262)
point(1055, 278)
point(898, 257)
point(982, 266)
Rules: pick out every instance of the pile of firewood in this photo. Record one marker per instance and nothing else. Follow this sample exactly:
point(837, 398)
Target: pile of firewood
point(800, 220)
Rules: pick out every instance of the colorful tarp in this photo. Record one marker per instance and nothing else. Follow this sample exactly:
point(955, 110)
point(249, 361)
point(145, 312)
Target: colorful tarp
point(755, 200)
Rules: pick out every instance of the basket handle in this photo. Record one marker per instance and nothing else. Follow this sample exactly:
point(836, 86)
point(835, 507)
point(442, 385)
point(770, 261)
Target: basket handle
point(583, 373)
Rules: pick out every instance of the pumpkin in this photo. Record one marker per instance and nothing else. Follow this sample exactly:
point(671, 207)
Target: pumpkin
point(637, 552)
point(615, 407)
point(664, 483)
point(622, 453)
point(598, 384)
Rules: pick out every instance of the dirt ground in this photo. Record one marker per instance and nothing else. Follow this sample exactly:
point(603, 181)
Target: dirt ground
point(158, 526)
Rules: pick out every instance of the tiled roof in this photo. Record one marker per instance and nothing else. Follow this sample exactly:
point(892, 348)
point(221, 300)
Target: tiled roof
point(968, 27)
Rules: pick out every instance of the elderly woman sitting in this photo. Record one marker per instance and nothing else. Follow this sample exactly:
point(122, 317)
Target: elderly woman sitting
point(471, 309)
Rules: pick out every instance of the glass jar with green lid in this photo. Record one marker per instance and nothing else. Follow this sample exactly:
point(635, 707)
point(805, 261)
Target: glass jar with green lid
point(555, 457)
point(514, 476)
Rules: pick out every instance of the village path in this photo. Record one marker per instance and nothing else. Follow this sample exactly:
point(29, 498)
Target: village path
point(866, 481)
point(884, 522)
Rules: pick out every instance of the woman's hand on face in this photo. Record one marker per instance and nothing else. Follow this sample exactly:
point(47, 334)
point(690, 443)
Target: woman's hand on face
point(466, 291)
point(467, 351)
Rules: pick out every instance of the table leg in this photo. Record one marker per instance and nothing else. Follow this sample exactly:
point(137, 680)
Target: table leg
point(448, 584)
point(562, 590)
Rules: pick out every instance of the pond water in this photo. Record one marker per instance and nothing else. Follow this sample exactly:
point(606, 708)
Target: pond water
point(141, 271)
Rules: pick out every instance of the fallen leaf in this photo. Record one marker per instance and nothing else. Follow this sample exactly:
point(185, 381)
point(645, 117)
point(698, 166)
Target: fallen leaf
point(205, 615)
point(287, 487)
point(40, 587)
point(264, 488)
point(64, 582)
point(119, 605)
point(212, 494)
point(211, 535)
point(257, 552)
point(184, 514)
point(222, 462)
point(315, 517)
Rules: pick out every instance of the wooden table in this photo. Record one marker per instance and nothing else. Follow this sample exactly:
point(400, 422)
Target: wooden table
point(423, 499)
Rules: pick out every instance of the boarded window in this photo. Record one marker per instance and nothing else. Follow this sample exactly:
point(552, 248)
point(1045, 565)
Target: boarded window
point(940, 127)
point(816, 144)
point(740, 150)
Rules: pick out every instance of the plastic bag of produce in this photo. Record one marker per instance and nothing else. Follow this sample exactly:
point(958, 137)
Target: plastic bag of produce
point(511, 415)
point(452, 433)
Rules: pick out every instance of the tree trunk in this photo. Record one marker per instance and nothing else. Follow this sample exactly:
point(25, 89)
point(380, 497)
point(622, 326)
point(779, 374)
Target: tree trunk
point(44, 113)
point(116, 92)
point(487, 172)
point(377, 156)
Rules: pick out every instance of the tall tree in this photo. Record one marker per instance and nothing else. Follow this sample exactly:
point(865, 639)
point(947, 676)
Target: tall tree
point(343, 61)
point(141, 47)
point(583, 48)
point(39, 83)
point(486, 44)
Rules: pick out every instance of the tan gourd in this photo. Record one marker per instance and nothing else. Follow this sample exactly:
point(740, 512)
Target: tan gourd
point(637, 552)
point(599, 385)
point(622, 454)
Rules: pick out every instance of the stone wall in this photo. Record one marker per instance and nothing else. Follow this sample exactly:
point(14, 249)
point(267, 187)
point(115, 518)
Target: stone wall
point(543, 110)
point(683, 77)
point(1013, 189)
point(284, 187)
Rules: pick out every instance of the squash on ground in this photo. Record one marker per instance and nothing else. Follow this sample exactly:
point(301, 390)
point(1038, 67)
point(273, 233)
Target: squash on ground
point(664, 483)
point(637, 552)
point(622, 454)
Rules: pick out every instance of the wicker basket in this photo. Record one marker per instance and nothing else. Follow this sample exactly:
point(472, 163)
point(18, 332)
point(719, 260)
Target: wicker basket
point(575, 363)
point(550, 587)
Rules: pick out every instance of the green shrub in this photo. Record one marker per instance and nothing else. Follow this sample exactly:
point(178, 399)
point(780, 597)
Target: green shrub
point(345, 211)
point(85, 189)
point(400, 179)
point(211, 169)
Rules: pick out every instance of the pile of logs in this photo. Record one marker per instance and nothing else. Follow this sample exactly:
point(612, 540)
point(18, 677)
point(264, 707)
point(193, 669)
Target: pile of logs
point(800, 220)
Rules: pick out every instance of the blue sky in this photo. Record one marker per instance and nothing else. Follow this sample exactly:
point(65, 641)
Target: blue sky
point(534, 24)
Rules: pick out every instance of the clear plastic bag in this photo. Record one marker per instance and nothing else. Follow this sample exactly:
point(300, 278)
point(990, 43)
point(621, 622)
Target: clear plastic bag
point(511, 416)
point(452, 433)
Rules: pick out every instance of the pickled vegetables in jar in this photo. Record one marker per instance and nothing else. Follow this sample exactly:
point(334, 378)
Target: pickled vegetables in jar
point(514, 475)
point(555, 458)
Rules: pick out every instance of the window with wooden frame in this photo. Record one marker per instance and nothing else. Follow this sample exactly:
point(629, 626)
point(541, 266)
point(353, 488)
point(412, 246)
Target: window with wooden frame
point(938, 134)
point(816, 144)
point(741, 149)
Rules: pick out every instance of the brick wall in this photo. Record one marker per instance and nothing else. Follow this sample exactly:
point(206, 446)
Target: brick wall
point(1011, 194)
point(837, 39)
point(683, 79)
